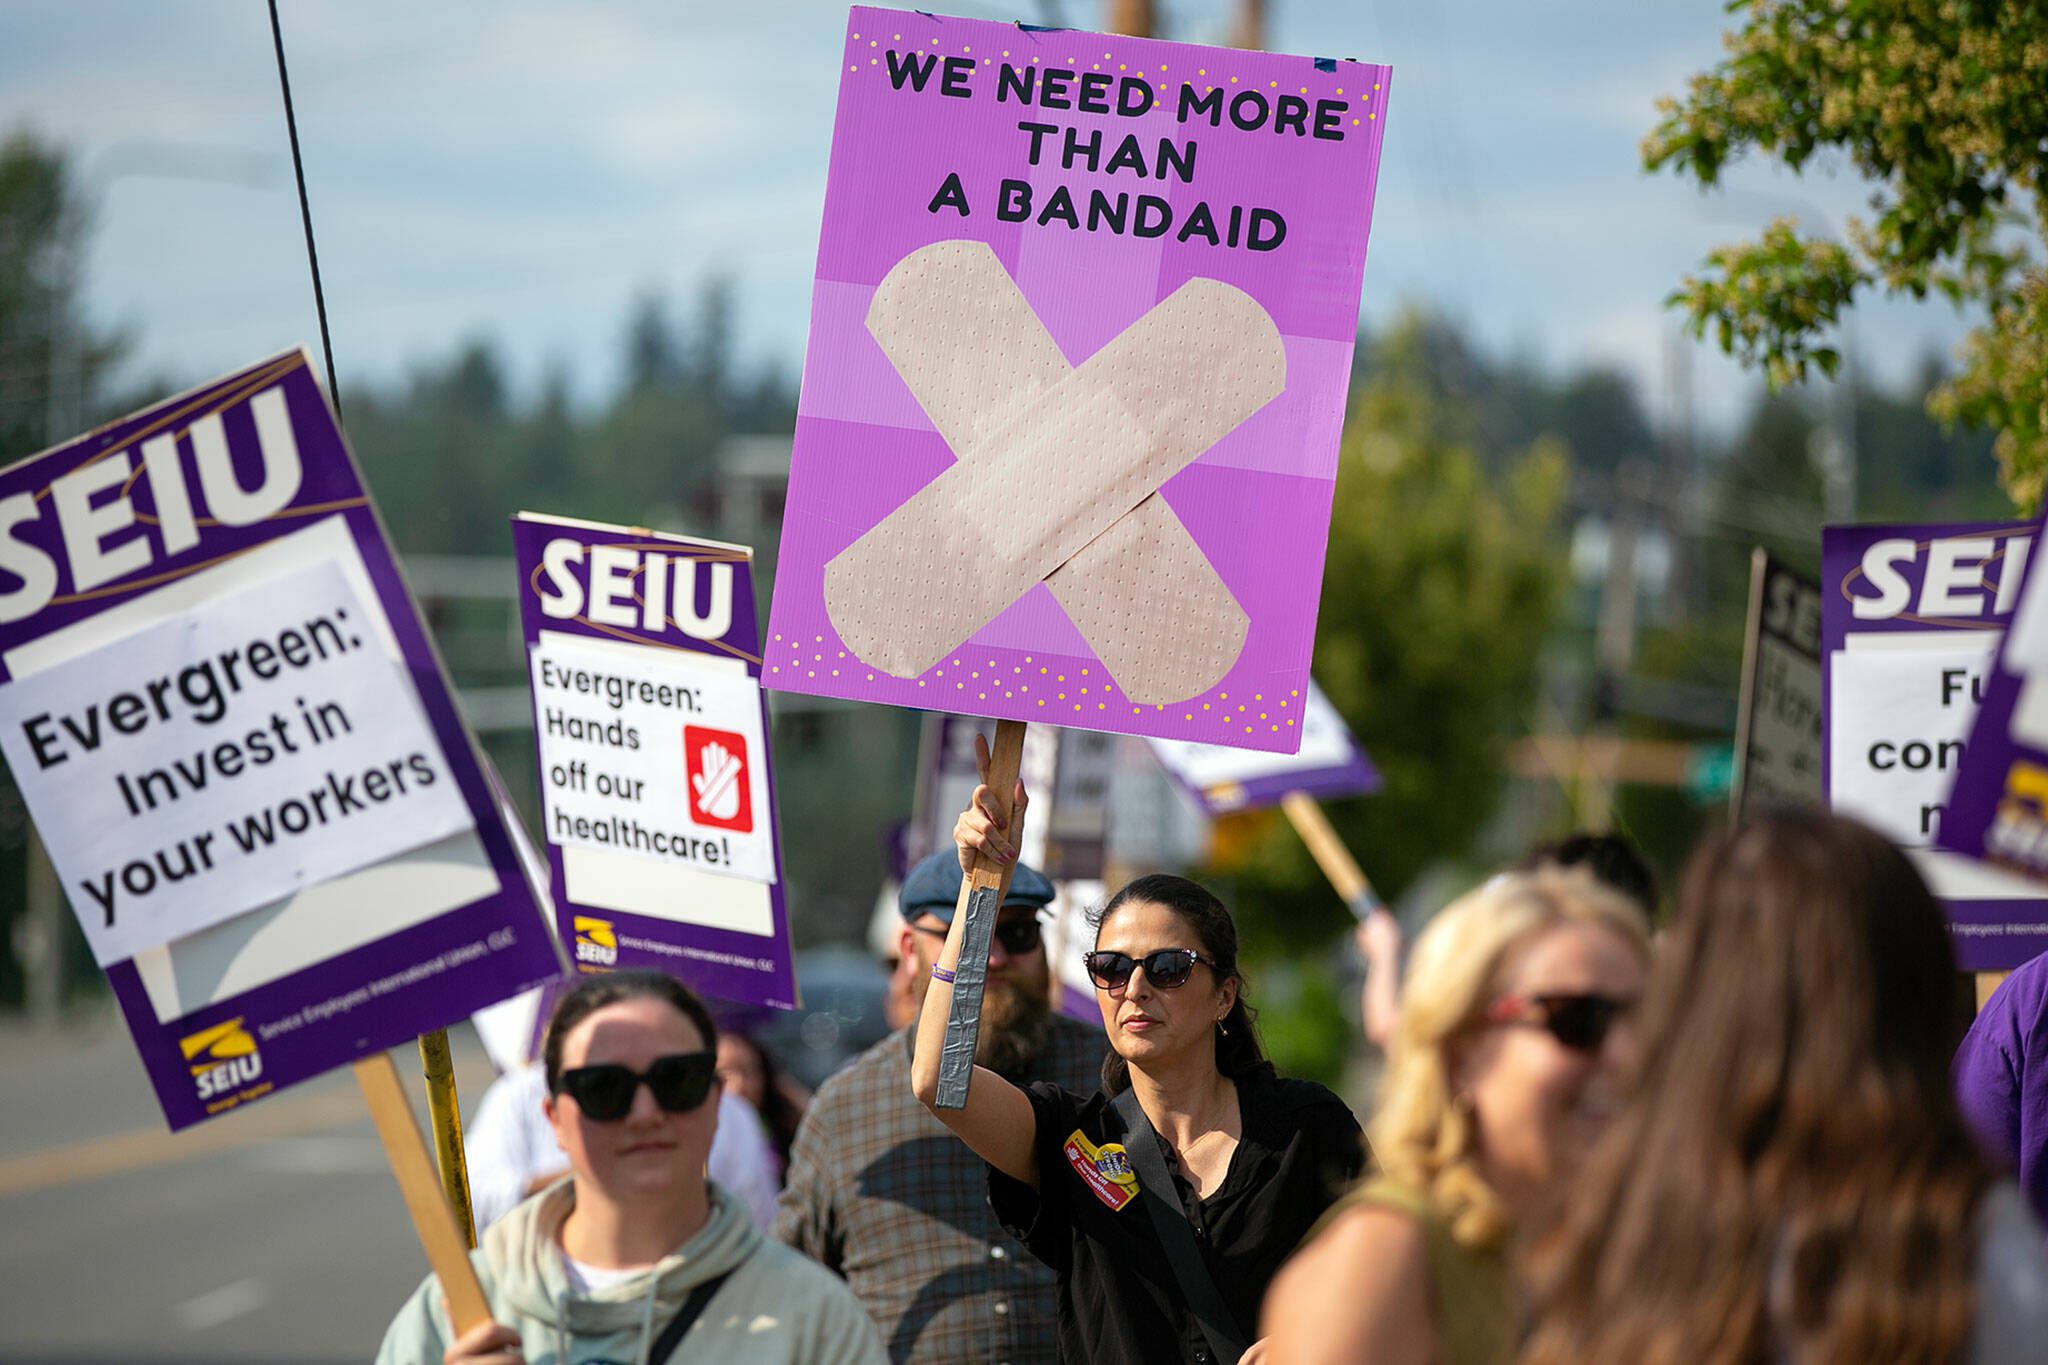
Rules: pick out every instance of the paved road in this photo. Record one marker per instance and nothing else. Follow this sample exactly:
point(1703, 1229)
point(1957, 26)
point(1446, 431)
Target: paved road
point(273, 1234)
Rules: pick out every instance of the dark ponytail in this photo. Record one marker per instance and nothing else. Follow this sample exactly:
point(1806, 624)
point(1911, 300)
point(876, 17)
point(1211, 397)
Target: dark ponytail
point(1237, 1042)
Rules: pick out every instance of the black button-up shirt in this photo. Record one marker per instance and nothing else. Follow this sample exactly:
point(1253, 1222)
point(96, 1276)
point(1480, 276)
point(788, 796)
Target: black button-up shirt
point(1118, 1299)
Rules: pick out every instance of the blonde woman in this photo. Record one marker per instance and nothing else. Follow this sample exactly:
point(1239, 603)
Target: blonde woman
point(1507, 1061)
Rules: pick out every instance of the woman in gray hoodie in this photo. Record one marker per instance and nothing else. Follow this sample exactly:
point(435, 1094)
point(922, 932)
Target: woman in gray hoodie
point(635, 1258)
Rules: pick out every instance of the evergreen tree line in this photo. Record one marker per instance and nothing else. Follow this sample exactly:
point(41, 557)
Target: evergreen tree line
point(451, 453)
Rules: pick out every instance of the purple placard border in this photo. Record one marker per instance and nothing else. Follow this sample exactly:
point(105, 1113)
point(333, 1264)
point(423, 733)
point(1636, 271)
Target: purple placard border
point(517, 955)
point(776, 987)
point(1355, 777)
point(1979, 786)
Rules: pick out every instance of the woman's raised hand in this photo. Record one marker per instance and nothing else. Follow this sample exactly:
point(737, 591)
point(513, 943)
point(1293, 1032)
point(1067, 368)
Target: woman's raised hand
point(981, 828)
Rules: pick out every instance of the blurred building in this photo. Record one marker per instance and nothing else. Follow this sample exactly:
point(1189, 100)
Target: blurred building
point(743, 504)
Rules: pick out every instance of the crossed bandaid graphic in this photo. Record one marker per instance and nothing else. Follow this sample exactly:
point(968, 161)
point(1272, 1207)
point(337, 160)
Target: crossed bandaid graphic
point(1064, 463)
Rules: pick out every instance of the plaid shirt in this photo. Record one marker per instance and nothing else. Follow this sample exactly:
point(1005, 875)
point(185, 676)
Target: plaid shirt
point(883, 1193)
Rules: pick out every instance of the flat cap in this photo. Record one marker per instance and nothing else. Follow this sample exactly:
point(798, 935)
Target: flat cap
point(933, 887)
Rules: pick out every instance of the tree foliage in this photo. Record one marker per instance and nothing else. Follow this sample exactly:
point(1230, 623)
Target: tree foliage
point(1440, 587)
point(1942, 107)
point(1498, 409)
point(52, 362)
point(1443, 576)
point(53, 367)
point(450, 452)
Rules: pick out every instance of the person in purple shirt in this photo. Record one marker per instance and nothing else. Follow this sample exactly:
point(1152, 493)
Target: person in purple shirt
point(2001, 1077)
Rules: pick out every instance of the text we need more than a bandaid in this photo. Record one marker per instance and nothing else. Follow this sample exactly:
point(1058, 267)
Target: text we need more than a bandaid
point(1055, 90)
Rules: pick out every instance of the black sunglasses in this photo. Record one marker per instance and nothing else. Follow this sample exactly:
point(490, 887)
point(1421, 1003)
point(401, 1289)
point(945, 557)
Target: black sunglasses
point(1579, 1022)
point(1166, 968)
point(604, 1093)
point(1018, 936)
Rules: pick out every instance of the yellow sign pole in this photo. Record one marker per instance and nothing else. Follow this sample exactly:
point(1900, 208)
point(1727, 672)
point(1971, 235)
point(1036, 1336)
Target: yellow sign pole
point(444, 1112)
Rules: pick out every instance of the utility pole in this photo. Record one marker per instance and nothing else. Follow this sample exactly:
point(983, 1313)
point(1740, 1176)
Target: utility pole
point(1248, 31)
point(1614, 642)
point(1837, 443)
point(1681, 508)
point(1134, 17)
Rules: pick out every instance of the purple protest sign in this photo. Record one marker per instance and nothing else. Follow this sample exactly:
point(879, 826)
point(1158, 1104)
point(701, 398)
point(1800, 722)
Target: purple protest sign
point(1997, 809)
point(241, 750)
point(1221, 779)
point(1911, 620)
point(1081, 336)
point(658, 802)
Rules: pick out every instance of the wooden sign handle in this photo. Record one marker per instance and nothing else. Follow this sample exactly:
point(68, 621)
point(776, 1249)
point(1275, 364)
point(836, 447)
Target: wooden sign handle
point(447, 1252)
point(981, 900)
point(1330, 854)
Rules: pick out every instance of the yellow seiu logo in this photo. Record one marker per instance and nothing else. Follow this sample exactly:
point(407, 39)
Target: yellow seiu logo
point(596, 943)
point(222, 1058)
point(2018, 836)
point(2026, 791)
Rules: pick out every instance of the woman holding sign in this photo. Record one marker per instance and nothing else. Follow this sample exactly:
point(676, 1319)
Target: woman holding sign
point(636, 1255)
point(1166, 1200)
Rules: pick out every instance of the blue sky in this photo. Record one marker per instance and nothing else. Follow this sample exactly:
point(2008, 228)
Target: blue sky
point(522, 170)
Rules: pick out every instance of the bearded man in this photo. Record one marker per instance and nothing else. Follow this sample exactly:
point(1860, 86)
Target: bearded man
point(882, 1193)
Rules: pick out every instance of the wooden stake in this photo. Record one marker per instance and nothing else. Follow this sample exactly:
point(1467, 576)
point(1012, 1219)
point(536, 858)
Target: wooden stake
point(981, 900)
point(1330, 854)
point(1132, 17)
point(444, 1116)
point(432, 1219)
point(1988, 982)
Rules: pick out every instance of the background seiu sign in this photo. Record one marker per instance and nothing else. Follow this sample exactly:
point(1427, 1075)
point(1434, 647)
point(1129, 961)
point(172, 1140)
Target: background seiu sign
point(1957, 578)
point(635, 589)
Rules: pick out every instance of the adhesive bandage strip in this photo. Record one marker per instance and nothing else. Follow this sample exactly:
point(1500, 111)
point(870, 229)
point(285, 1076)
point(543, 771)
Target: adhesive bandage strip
point(1055, 474)
point(1142, 593)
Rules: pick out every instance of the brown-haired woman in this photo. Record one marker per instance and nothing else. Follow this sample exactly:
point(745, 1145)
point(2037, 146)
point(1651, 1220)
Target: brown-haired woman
point(1170, 1269)
point(1791, 1180)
